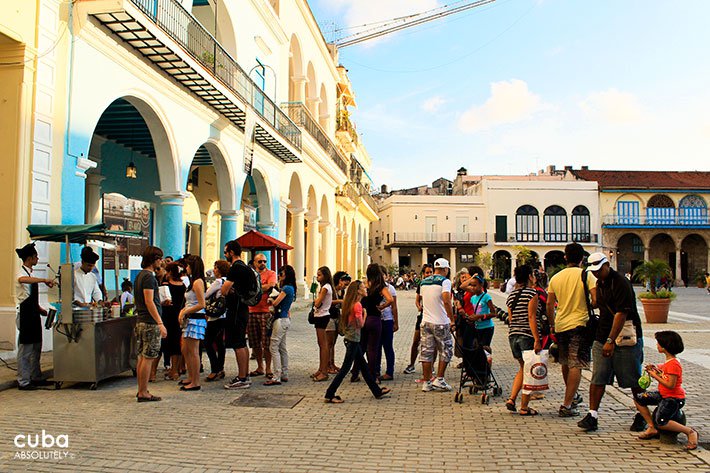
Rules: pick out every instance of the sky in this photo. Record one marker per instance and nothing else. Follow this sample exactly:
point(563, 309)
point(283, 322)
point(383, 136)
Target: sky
point(512, 87)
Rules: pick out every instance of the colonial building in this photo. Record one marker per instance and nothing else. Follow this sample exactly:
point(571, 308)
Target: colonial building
point(190, 120)
point(654, 215)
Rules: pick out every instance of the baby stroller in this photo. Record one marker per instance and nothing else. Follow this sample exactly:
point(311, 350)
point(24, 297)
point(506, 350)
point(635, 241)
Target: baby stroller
point(476, 373)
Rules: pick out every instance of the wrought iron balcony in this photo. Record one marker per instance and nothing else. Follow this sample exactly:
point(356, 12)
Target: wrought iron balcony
point(171, 38)
point(669, 219)
point(527, 237)
point(344, 125)
point(303, 118)
point(444, 238)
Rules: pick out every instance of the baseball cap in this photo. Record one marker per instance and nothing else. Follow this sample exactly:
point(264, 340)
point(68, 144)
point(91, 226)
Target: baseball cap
point(596, 261)
point(441, 263)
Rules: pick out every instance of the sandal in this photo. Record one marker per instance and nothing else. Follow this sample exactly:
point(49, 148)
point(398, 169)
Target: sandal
point(269, 375)
point(649, 435)
point(170, 377)
point(316, 374)
point(148, 399)
point(510, 405)
point(284, 379)
point(692, 445)
point(272, 382)
point(386, 378)
point(334, 400)
point(333, 371)
point(256, 373)
point(528, 412)
point(383, 392)
point(322, 377)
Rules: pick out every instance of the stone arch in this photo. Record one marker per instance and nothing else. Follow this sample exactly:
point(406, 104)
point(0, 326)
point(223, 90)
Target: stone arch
point(501, 264)
point(527, 224)
point(323, 109)
point(694, 257)
point(553, 259)
point(218, 23)
point(555, 223)
point(311, 90)
point(629, 252)
point(660, 201)
point(295, 191)
point(226, 184)
point(295, 71)
point(693, 210)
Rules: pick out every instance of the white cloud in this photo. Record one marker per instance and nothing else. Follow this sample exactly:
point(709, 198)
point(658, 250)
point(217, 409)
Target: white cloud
point(510, 102)
point(613, 106)
point(433, 104)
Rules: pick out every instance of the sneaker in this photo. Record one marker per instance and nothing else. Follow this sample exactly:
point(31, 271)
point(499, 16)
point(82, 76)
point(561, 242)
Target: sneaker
point(27, 387)
point(409, 369)
point(239, 384)
point(568, 412)
point(577, 400)
point(428, 386)
point(589, 423)
point(440, 384)
point(639, 424)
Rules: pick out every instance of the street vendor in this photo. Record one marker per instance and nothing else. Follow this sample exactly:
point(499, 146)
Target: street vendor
point(29, 322)
point(88, 251)
point(86, 286)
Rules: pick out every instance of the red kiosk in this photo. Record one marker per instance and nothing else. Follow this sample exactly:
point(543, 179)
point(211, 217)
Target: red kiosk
point(254, 242)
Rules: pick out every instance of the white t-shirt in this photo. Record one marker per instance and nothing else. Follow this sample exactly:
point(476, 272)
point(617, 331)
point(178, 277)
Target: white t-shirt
point(126, 298)
point(431, 290)
point(387, 311)
point(510, 285)
point(22, 291)
point(86, 287)
point(324, 309)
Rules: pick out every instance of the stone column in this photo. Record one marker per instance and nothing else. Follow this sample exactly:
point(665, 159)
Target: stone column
point(170, 236)
point(452, 261)
point(299, 86)
point(271, 229)
point(325, 244)
point(425, 255)
point(227, 226)
point(299, 247)
point(394, 256)
point(613, 260)
point(678, 270)
point(345, 263)
point(312, 106)
point(353, 256)
point(339, 250)
point(94, 200)
point(312, 248)
point(646, 253)
point(513, 260)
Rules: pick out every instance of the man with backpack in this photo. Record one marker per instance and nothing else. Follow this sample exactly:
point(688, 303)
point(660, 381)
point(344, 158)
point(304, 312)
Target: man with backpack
point(567, 290)
point(242, 289)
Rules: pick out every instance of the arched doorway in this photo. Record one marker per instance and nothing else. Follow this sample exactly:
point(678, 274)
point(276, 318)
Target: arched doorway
point(662, 248)
point(501, 264)
point(554, 261)
point(295, 72)
point(630, 252)
point(133, 163)
point(694, 258)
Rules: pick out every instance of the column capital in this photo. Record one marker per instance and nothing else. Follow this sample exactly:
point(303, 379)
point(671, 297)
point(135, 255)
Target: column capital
point(82, 165)
point(285, 201)
point(229, 214)
point(299, 79)
point(172, 197)
point(312, 218)
point(324, 224)
point(313, 100)
point(93, 179)
point(266, 226)
point(297, 211)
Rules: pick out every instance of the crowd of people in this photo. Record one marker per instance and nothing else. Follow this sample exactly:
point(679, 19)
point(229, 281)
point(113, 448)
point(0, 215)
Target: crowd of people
point(178, 315)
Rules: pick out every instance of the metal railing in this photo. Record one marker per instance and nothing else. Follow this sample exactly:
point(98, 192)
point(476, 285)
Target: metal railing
point(524, 237)
point(303, 118)
point(186, 30)
point(694, 219)
point(454, 237)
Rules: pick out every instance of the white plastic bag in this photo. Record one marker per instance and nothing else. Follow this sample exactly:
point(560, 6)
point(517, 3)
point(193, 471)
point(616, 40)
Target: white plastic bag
point(164, 293)
point(535, 371)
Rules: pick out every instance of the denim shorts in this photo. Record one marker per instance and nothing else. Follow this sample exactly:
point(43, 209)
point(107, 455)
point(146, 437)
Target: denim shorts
point(668, 409)
point(520, 343)
point(624, 364)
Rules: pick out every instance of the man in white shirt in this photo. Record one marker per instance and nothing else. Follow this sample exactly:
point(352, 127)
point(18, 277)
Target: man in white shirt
point(86, 286)
point(436, 326)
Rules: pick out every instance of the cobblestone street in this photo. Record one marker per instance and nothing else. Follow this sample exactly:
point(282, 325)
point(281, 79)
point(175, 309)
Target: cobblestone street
point(409, 431)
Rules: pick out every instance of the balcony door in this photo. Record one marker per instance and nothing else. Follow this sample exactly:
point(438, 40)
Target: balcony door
point(461, 229)
point(628, 212)
point(430, 228)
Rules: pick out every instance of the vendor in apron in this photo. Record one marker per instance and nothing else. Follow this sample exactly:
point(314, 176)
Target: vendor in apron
point(29, 322)
point(86, 286)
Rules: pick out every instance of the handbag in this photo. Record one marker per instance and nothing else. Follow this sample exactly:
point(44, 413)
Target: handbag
point(627, 336)
point(591, 328)
point(312, 314)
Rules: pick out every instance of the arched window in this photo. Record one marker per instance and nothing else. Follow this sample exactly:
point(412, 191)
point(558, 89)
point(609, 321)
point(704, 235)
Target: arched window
point(693, 210)
point(555, 223)
point(527, 226)
point(581, 225)
point(660, 210)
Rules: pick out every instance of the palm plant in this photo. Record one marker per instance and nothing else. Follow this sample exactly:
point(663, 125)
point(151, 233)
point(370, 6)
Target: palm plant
point(652, 271)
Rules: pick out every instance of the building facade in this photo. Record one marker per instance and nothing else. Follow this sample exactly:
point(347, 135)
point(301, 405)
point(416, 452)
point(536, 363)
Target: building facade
point(192, 121)
point(654, 215)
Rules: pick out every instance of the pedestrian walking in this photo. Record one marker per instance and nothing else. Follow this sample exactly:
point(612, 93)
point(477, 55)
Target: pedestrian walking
point(350, 323)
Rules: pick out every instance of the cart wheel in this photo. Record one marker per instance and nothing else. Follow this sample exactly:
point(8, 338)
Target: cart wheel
point(93, 386)
point(57, 385)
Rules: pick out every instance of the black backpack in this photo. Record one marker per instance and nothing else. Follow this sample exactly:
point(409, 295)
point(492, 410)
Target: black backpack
point(216, 304)
point(250, 292)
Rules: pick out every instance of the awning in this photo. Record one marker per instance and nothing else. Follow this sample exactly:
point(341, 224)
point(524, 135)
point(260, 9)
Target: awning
point(78, 233)
point(253, 240)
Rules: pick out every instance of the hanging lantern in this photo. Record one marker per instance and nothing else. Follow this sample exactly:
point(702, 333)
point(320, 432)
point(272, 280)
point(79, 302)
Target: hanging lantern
point(131, 171)
point(189, 185)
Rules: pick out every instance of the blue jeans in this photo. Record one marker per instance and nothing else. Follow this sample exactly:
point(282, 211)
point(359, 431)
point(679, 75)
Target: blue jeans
point(353, 356)
point(386, 338)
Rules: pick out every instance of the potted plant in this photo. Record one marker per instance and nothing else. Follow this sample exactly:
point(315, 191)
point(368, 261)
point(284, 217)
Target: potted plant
point(655, 303)
point(496, 283)
point(700, 279)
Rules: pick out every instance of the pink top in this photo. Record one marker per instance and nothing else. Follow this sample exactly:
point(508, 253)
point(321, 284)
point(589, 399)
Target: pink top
point(356, 318)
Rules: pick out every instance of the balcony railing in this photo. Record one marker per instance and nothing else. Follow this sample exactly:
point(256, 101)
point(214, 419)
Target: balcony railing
point(547, 238)
point(344, 124)
point(303, 118)
point(673, 219)
point(364, 192)
point(171, 17)
point(423, 237)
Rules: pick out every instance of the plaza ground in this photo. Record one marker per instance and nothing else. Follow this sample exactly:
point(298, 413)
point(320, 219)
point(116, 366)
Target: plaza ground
point(409, 431)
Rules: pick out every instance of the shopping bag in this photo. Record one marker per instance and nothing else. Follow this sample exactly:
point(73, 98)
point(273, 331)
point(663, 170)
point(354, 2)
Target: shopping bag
point(535, 371)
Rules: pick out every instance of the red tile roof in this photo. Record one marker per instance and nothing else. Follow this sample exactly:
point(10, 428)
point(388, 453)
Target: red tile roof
point(646, 179)
point(253, 240)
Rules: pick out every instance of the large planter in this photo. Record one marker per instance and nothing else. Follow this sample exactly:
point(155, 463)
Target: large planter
point(656, 310)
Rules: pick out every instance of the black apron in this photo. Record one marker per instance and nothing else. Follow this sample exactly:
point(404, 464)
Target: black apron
point(30, 320)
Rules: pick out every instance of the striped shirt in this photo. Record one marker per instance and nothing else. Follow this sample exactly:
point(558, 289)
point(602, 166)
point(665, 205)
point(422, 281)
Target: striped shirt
point(519, 324)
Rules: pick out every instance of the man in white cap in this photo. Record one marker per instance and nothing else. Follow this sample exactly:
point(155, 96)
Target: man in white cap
point(437, 318)
point(614, 357)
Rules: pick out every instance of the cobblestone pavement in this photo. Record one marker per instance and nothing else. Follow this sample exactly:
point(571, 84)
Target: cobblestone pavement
point(410, 431)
